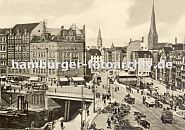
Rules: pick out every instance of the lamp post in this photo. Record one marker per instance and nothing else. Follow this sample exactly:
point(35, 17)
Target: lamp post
point(0, 91)
point(94, 94)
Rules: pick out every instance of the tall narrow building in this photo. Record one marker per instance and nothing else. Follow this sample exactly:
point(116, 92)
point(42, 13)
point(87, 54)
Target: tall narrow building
point(152, 36)
point(99, 39)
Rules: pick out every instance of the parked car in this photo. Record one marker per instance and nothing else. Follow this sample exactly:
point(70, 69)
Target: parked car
point(167, 116)
point(129, 99)
point(149, 102)
point(141, 119)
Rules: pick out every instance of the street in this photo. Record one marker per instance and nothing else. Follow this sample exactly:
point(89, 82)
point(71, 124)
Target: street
point(153, 115)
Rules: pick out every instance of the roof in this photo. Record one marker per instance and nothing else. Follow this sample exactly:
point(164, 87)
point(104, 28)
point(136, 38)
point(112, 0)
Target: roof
point(95, 52)
point(78, 31)
point(77, 78)
point(64, 79)
point(2, 77)
point(28, 26)
point(123, 49)
point(161, 45)
point(179, 46)
point(4, 30)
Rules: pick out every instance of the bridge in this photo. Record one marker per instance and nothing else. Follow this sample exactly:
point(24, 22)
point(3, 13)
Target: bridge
point(70, 96)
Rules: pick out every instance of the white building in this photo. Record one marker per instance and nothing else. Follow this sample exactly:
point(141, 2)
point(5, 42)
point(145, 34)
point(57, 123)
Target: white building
point(96, 59)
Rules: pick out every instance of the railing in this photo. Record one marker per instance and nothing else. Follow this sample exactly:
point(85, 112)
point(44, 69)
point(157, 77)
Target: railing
point(67, 94)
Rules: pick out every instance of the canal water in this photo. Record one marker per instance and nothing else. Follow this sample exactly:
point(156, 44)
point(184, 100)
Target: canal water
point(24, 121)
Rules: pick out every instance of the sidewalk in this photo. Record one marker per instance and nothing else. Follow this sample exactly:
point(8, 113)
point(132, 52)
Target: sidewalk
point(180, 113)
point(76, 122)
point(162, 87)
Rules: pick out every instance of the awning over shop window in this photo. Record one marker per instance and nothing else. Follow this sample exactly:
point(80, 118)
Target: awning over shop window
point(77, 78)
point(34, 79)
point(2, 77)
point(64, 79)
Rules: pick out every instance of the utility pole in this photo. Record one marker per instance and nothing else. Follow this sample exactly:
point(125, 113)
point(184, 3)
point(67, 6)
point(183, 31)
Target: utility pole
point(84, 71)
point(94, 91)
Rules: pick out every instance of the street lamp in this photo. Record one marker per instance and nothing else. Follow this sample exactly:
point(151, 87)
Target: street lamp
point(94, 93)
point(46, 65)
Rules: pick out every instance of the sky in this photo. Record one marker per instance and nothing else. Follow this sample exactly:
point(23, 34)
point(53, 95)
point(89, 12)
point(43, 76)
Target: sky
point(119, 20)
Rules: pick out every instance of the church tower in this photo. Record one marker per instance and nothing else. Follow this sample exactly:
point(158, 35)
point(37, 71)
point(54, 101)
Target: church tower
point(152, 36)
point(99, 39)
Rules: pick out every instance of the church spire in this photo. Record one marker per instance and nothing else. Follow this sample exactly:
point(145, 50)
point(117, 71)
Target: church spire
point(152, 36)
point(99, 39)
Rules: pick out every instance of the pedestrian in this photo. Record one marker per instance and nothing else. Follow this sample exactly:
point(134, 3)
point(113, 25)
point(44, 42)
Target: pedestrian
point(62, 124)
point(87, 112)
point(142, 92)
point(118, 110)
point(144, 99)
point(112, 118)
point(108, 123)
point(32, 124)
point(171, 105)
point(53, 124)
point(175, 107)
point(115, 110)
point(104, 102)
point(102, 97)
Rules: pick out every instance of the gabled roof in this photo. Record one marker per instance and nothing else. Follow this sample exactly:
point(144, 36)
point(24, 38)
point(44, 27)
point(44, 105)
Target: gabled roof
point(95, 52)
point(28, 26)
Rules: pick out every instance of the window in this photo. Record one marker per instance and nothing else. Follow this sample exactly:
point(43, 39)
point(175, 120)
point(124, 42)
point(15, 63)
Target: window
point(38, 30)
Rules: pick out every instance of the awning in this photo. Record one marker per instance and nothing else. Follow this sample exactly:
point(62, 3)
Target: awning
point(34, 79)
point(63, 79)
point(77, 78)
point(3, 77)
point(12, 81)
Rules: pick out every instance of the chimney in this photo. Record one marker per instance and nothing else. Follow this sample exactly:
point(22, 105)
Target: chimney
point(62, 27)
point(175, 40)
point(130, 40)
point(142, 39)
point(84, 30)
point(44, 27)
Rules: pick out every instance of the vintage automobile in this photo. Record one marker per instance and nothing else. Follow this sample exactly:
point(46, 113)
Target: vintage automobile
point(167, 116)
point(141, 119)
point(125, 108)
point(149, 102)
point(39, 86)
point(158, 103)
point(129, 99)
